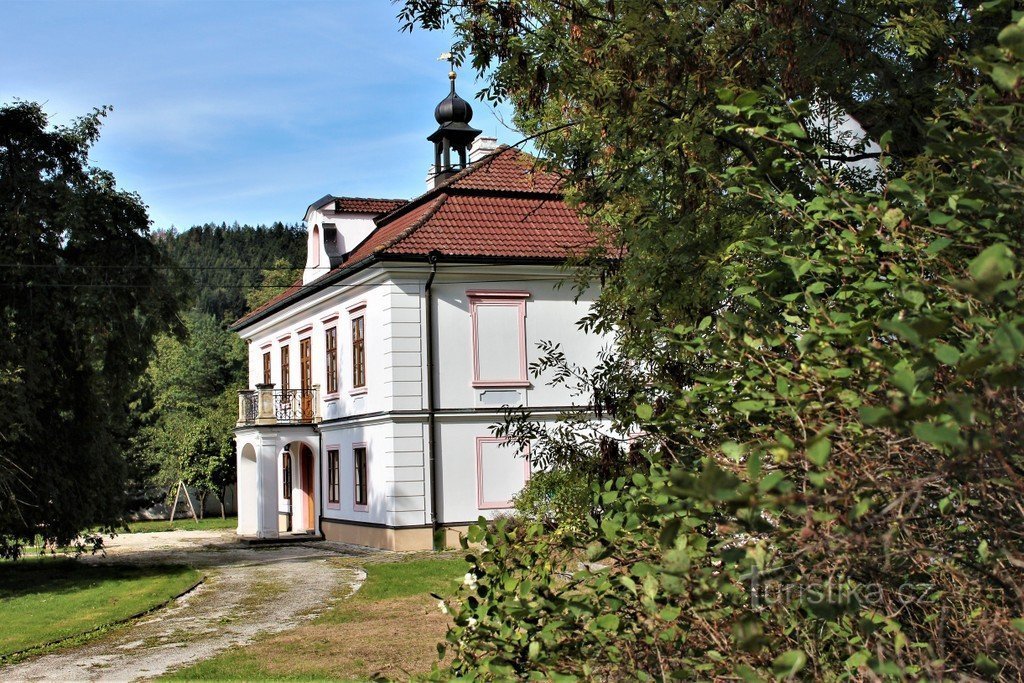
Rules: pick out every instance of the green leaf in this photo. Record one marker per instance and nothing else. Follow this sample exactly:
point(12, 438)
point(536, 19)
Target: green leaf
point(789, 663)
point(992, 264)
point(607, 622)
point(900, 186)
point(818, 451)
point(644, 411)
point(770, 481)
point(938, 435)
point(794, 130)
point(872, 415)
point(1005, 76)
point(983, 552)
point(892, 218)
point(937, 245)
point(732, 450)
point(746, 100)
point(1012, 38)
point(904, 380)
point(748, 406)
point(1018, 624)
point(947, 354)
point(561, 678)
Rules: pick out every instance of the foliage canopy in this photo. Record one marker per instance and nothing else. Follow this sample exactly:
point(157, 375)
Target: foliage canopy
point(76, 327)
point(821, 357)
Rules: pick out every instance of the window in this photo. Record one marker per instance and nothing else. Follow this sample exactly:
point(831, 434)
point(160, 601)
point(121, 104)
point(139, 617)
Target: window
point(333, 477)
point(286, 475)
point(332, 360)
point(501, 472)
point(285, 369)
point(359, 472)
point(358, 353)
point(498, 322)
point(266, 367)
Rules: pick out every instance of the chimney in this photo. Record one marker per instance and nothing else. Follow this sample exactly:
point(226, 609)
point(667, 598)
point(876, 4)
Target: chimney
point(481, 147)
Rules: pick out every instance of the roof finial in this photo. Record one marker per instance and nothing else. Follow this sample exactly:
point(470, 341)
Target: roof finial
point(450, 58)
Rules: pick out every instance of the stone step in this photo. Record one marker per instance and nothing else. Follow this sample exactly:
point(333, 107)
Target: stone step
point(283, 539)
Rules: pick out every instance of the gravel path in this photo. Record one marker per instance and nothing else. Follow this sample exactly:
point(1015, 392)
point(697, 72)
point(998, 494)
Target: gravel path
point(247, 592)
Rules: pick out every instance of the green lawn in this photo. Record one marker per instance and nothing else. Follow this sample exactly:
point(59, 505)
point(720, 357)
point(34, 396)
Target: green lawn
point(187, 524)
point(388, 629)
point(57, 598)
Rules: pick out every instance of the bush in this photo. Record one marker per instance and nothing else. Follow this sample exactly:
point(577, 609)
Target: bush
point(559, 499)
point(836, 463)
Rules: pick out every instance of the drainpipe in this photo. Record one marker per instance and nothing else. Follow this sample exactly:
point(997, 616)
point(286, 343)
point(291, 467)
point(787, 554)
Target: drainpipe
point(431, 400)
point(319, 528)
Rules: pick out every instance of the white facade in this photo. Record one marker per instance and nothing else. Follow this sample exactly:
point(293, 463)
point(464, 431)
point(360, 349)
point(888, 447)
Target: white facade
point(484, 317)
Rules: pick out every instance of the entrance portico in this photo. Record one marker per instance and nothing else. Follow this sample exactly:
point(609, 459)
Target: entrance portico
point(260, 454)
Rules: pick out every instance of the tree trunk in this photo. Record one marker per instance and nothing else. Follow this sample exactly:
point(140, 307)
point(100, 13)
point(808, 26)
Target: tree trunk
point(201, 495)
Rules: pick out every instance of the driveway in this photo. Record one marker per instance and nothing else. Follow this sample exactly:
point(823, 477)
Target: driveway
point(247, 592)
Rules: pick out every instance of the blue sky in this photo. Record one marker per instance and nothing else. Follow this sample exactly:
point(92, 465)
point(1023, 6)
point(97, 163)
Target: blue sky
point(241, 110)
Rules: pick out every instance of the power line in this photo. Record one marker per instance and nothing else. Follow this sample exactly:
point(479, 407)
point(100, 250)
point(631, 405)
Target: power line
point(311, 285)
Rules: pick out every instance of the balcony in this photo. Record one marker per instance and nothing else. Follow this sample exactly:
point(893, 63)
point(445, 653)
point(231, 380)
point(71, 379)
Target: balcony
point(266, 405)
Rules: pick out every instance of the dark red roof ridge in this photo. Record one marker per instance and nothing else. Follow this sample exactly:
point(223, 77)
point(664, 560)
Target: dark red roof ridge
point(473, 217)
point(446, 186)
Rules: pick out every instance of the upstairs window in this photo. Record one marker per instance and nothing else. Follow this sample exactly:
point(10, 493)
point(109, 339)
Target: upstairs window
point(333, 477)
point(498, 320)
point(358, 352)
point(361, 496)
point(285, 369)
point(266, 367)
point(331, 338)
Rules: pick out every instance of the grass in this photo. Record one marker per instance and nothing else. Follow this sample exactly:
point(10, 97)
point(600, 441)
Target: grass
point(188, 524)
point(59, 598)
point(389, 628)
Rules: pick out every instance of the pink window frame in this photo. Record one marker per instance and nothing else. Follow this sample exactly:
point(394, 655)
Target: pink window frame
point(355, 506)
point(327, 449)
point(480, 297)
point(482, 504)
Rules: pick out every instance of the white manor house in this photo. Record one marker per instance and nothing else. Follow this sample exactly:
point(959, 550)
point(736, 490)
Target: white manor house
point(375, 380)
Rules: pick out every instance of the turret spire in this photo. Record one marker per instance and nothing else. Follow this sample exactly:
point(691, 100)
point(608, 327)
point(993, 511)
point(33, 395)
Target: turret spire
point(453, 133)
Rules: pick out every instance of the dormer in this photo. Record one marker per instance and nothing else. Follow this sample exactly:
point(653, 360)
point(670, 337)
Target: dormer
point(335, 225)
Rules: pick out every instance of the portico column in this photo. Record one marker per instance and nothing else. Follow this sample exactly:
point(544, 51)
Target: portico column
point(267, 486)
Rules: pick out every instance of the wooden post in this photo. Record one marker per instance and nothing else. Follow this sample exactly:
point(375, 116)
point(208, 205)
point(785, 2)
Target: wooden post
point(188, 499)
point(174, 508)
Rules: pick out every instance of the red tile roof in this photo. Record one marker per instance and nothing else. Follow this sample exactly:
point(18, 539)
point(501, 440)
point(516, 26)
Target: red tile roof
point(502, 206)
point(366, 205)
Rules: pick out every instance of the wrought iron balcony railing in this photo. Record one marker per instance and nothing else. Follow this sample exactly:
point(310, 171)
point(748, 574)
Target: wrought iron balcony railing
point(266, 405)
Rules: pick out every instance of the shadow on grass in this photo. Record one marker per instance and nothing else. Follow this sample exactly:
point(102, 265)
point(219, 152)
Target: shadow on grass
point(58, 598)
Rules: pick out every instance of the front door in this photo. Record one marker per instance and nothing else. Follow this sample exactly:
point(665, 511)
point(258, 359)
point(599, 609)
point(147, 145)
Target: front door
point(307, 490)
point(306, 367)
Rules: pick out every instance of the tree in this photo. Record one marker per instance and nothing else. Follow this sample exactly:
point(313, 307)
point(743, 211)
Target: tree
point(823, 359)
point(226, 263)
point(273, 281)
point(193, 383)
point(82, 295)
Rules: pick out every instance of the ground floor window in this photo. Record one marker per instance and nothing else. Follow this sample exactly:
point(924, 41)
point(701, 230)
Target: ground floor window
point(360, 475)
point(333, 483)
point(286, 475)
